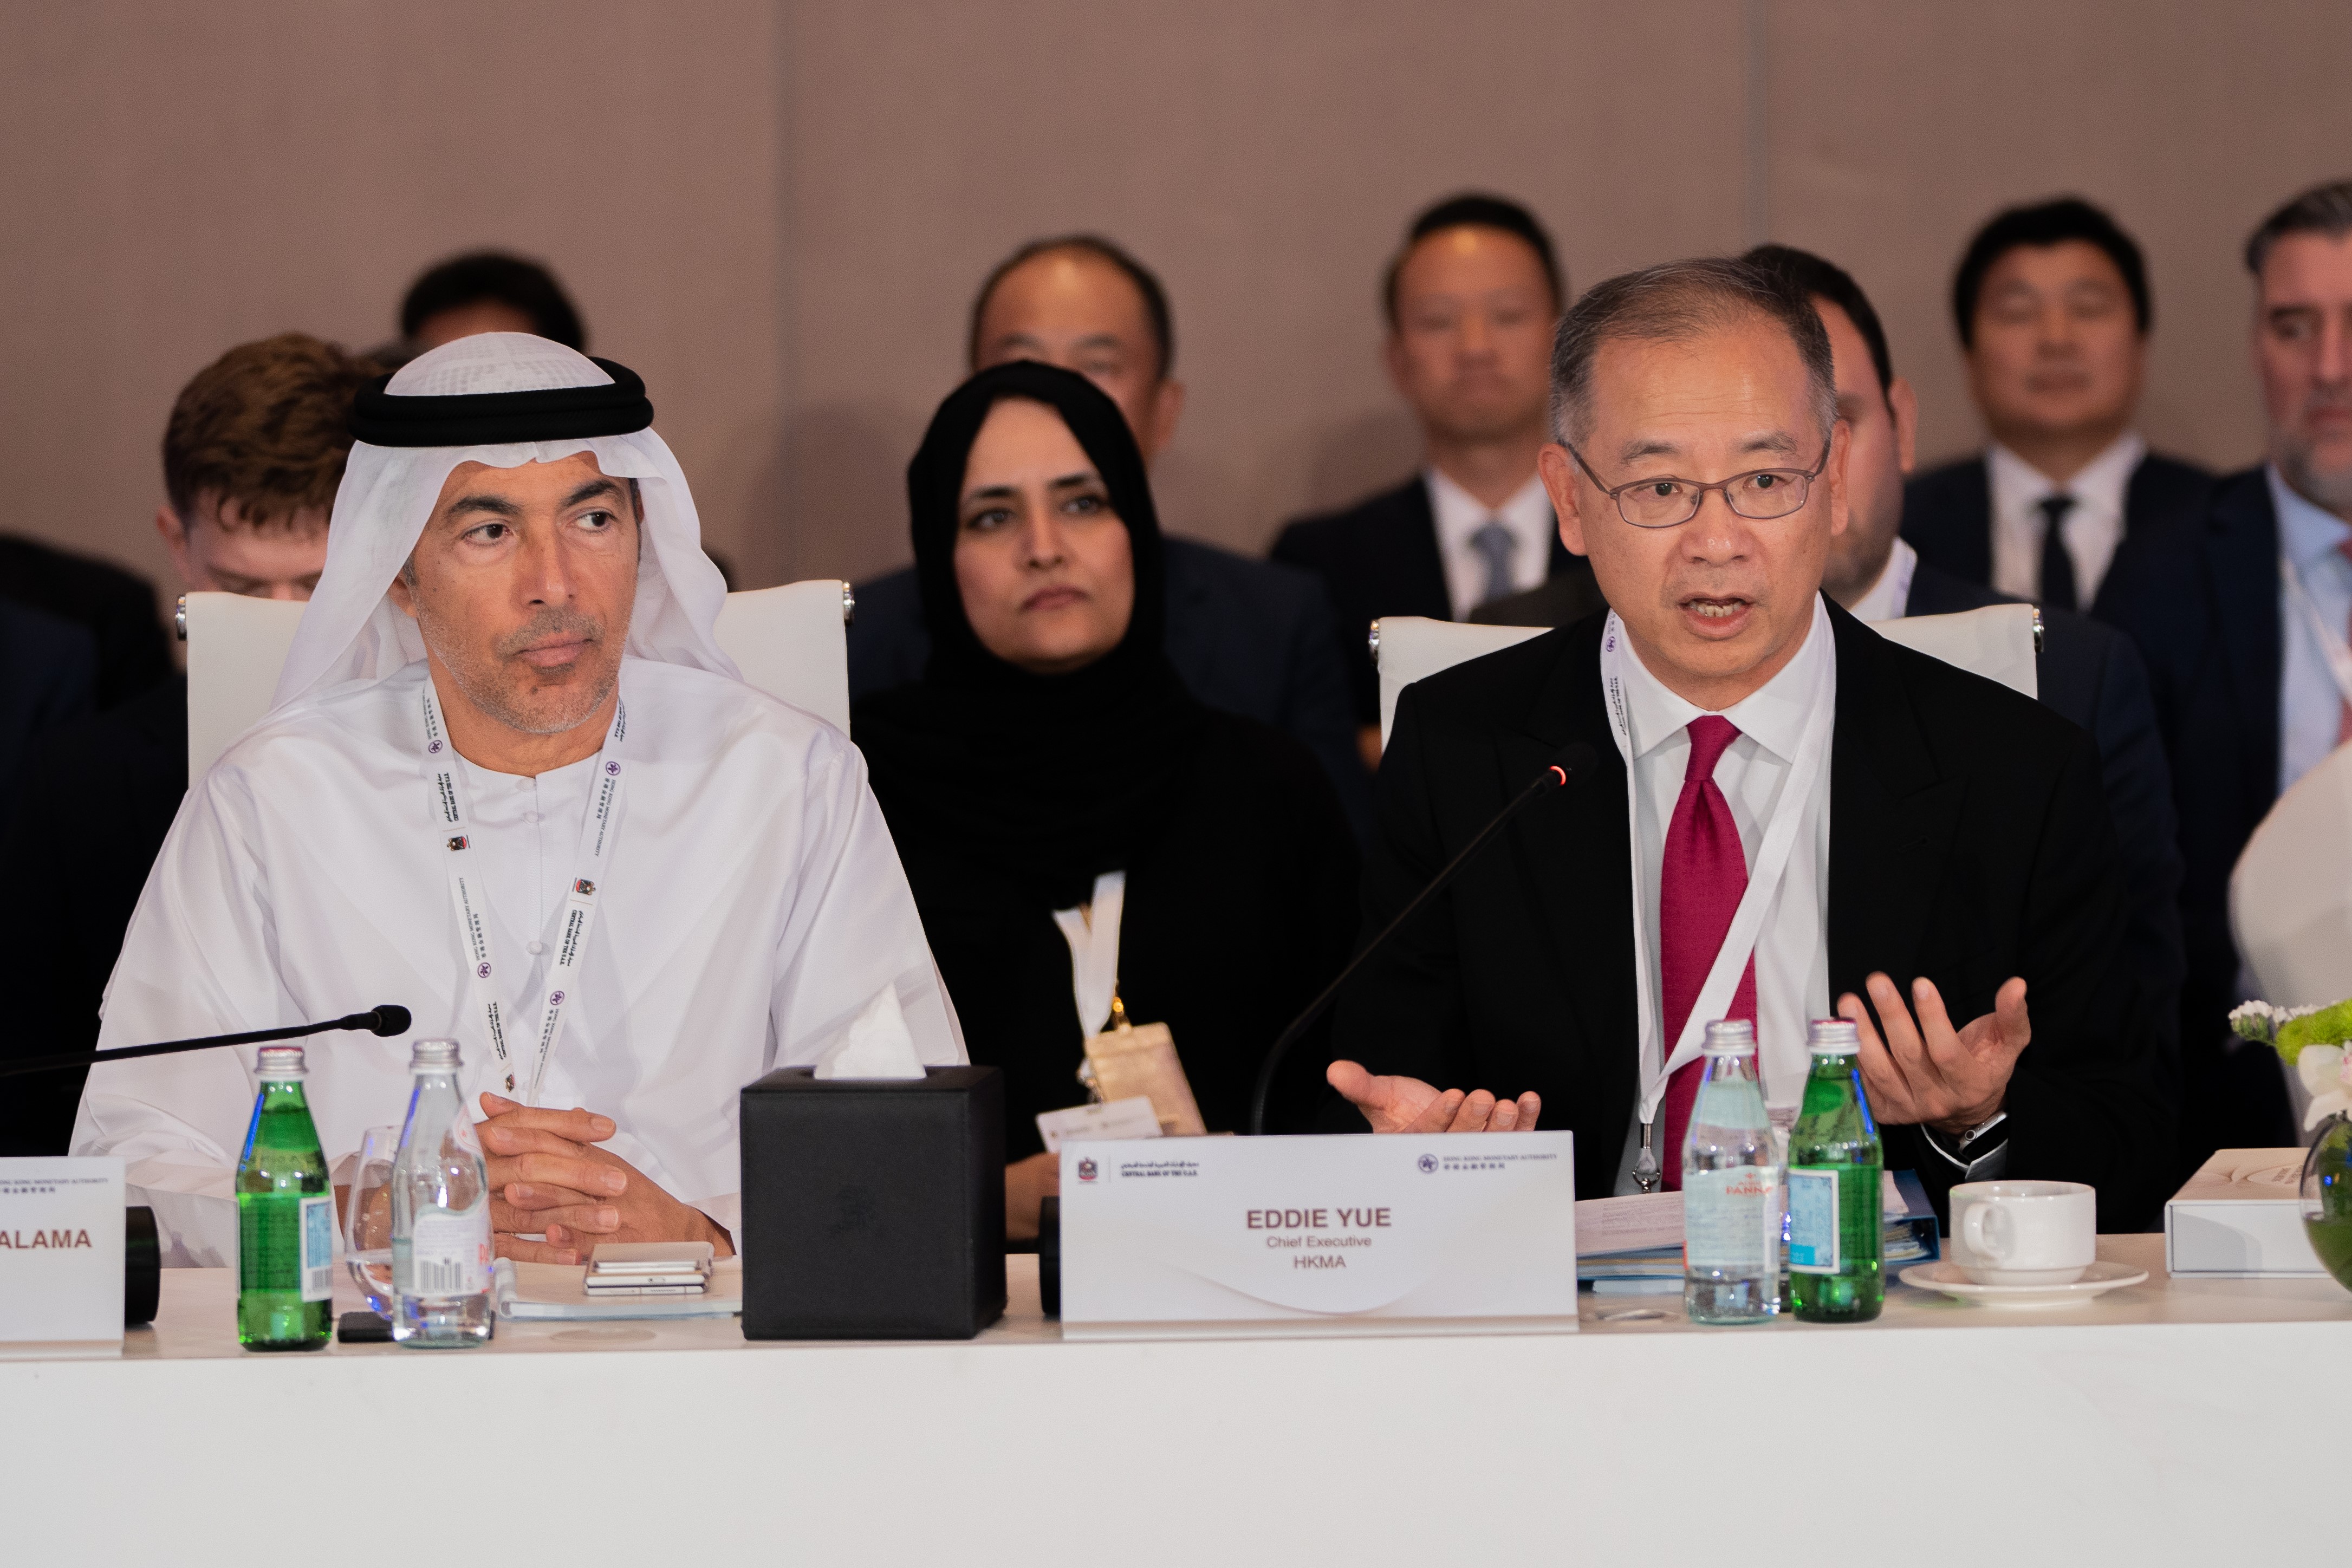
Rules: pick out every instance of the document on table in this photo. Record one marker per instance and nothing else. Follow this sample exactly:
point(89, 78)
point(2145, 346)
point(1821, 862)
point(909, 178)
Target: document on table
point(558, 1292)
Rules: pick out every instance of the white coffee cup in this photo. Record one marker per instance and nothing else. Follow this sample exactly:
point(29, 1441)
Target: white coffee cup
point(2025, 1232)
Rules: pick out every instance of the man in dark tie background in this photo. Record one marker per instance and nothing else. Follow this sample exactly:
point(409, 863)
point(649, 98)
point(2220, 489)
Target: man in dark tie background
point(2239, 612)
point(1471, 301)
point(2053, 307)
point(1248, 637)
point(1930, 827)
point(2087, 670)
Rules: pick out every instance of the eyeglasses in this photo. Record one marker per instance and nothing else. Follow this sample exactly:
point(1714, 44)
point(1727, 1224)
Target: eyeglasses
point(1667, 502)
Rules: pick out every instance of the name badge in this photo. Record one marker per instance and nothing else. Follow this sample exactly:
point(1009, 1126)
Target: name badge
point(1462, 1233)
point(60, 1257)
point(1129, 1118)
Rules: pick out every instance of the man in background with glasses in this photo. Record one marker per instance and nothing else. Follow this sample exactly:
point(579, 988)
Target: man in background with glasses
point(1787, 813)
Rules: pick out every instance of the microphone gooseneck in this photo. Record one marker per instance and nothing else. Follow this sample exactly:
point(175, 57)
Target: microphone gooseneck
point(390, 1019)
point(1570, 764)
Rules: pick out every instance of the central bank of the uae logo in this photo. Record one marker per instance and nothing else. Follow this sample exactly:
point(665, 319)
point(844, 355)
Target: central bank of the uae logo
point(1428, 1164)
point(1087, 1171)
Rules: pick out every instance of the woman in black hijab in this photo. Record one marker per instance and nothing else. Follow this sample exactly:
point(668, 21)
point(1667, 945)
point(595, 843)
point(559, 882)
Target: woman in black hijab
point(1050, 742)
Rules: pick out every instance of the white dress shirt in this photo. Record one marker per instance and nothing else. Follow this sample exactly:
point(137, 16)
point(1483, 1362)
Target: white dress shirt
point(1793, 973)
point(753, 904)
point(2310, 708)
point(1459, 514)
point(1889, 598)
point(2094, 526)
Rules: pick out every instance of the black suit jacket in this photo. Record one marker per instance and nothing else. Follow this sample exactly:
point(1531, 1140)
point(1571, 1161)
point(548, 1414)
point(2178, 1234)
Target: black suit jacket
point(1248, 638)
point(2200, 599)
point(97, 801)
point(2093, 675)
point(1947, 512)
point(1380, 558)
point(117, 607)
point(1969, 841)
point(49, 667)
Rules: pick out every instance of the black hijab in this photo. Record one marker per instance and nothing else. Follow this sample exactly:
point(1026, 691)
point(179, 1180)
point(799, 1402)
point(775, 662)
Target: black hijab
point(997, 782)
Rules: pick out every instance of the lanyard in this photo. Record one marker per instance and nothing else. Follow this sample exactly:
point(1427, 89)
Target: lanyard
point(1789, 814)
point(1094, 949)
point(2331, 641)
point(469, 893)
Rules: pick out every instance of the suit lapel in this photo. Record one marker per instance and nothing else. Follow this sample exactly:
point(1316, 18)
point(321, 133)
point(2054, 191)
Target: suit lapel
point(2242, 563)
point(1576, 855)
point(1893, 816)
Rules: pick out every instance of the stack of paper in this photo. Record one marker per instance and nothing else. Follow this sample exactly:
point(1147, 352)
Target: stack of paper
point(1641, 1237)
point(558, 1292)
point(1620, 1240)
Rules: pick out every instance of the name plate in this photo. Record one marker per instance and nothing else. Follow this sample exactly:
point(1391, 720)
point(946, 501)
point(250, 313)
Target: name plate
point(60, 1257)
point(1461, 1233)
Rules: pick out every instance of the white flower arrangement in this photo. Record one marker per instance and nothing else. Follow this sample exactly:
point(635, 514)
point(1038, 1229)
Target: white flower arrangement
point(2311, 1041)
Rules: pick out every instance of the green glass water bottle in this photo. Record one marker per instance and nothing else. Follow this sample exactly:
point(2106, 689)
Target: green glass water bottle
point(286, 1215)
point(1835, 1231)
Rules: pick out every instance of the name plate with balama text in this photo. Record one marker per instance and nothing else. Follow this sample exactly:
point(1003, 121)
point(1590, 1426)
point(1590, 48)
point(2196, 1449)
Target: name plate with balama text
point(60, 1257)
point(1464, 1233)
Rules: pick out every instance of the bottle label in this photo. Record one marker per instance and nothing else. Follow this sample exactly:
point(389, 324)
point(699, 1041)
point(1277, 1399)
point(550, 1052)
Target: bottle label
point(1731, 1220)
point(319, 1247)
point(447, 1254)
point(1813, 1221)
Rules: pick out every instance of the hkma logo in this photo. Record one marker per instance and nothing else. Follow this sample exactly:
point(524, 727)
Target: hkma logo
point(1428, 1164)
point(1087, 1170)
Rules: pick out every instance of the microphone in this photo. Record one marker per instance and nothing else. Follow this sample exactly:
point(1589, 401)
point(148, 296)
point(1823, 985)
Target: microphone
point(1570, 764)
point(388, 1019)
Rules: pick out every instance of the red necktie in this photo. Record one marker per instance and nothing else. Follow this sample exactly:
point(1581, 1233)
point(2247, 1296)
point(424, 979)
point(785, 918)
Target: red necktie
point(1701, 878)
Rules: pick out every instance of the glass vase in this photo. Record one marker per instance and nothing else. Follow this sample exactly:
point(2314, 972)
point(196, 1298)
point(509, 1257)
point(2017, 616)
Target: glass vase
point(2326, 1193)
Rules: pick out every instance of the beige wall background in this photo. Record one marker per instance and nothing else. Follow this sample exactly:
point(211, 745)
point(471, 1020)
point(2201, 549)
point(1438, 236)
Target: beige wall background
point(777, 209)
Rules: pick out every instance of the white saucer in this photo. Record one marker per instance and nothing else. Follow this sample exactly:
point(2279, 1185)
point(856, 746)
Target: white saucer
point(1947, 1277)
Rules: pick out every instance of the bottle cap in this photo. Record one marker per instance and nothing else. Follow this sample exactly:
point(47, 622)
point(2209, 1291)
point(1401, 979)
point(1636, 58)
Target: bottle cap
point(280, 1064)
point(433, 1056)
point(1729, 1037)
point(1833, 1037)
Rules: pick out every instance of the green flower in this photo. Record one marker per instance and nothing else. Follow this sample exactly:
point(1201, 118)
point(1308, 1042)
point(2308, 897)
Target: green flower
point(2329, 1026)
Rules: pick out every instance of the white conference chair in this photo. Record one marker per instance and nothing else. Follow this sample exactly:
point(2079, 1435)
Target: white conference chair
point(789, 641)
point(1998, 643)
point(2291, 897)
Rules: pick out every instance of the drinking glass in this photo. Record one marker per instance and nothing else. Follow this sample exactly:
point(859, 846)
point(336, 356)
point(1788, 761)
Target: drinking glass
point(367, 1230)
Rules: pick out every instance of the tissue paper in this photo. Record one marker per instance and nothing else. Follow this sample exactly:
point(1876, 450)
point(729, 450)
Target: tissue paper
point(876, 1044)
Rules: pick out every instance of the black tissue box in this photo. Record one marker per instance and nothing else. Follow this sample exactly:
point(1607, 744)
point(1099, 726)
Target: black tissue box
point(873, 1207)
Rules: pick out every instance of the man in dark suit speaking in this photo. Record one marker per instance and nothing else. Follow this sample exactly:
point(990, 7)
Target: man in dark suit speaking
point(1786, 809)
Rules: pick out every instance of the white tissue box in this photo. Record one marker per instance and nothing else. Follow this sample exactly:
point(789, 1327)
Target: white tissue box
point(2240, 1218)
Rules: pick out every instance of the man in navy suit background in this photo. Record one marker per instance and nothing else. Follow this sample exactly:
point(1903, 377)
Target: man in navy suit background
point(2053, 307)
point(2088, 672)
point(2239, 650)
point(1471, 298)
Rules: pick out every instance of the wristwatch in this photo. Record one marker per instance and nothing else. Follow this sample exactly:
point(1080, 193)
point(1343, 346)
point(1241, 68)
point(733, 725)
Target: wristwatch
point(1974, 1135)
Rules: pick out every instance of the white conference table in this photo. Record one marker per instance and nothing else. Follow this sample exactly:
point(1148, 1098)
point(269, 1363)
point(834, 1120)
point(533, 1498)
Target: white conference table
point(2179, 1421)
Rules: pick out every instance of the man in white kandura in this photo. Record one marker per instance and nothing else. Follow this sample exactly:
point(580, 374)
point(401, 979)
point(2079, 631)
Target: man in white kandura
point(511, 783)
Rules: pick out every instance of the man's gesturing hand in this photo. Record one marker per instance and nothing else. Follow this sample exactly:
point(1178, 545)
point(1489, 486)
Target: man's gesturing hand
point(548, 1175)
point(1409, 1106)
point(1931, 1073)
